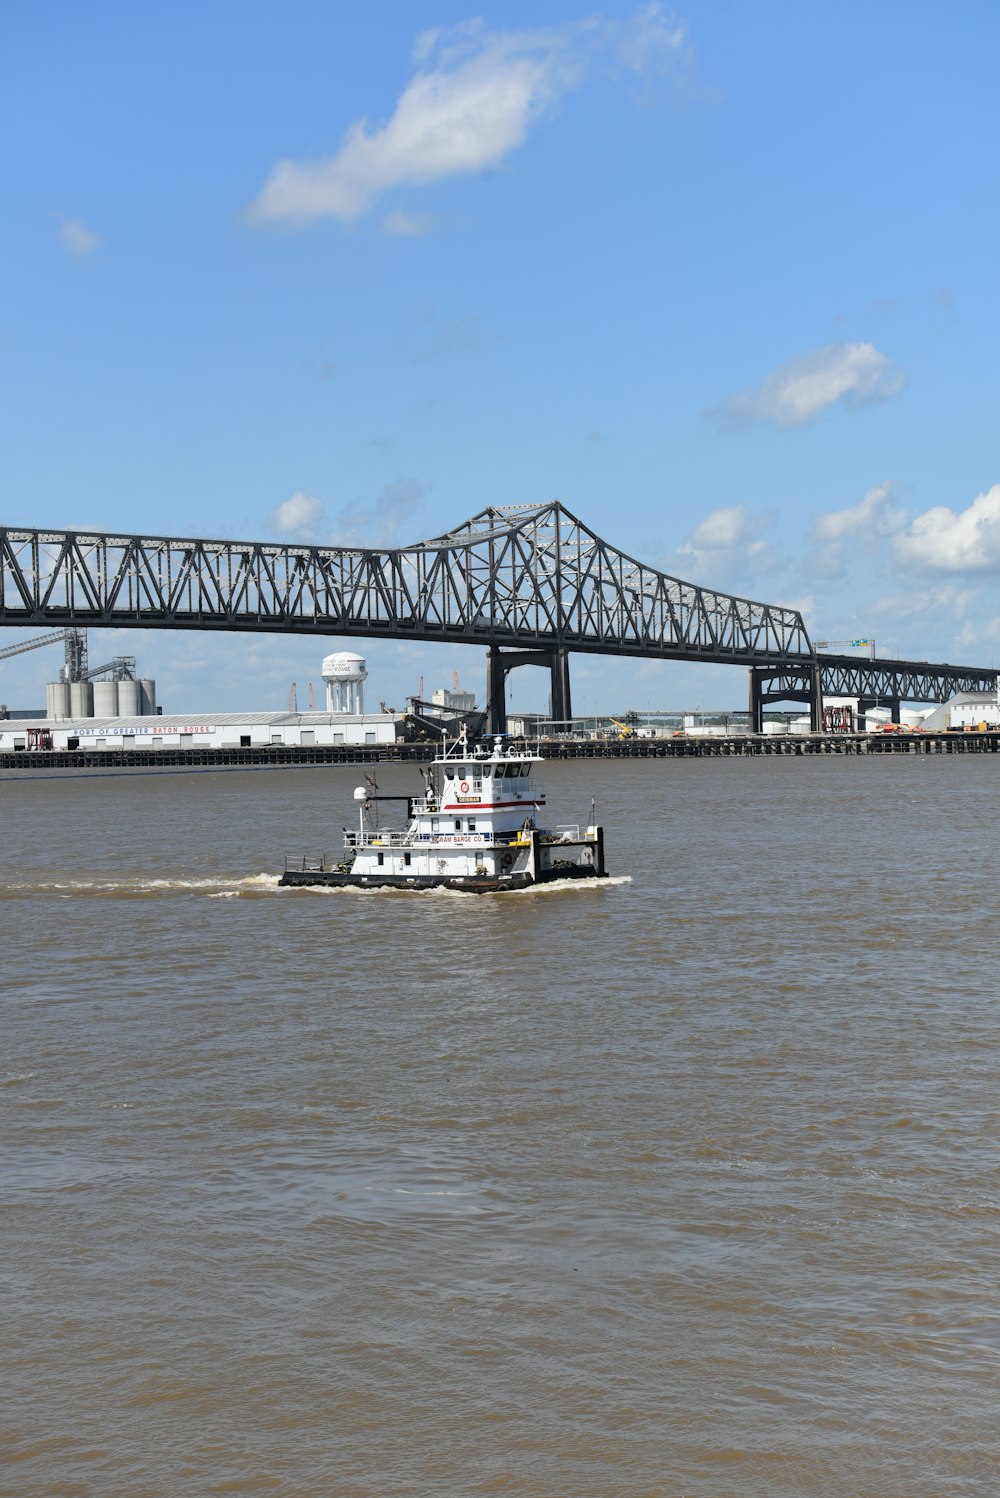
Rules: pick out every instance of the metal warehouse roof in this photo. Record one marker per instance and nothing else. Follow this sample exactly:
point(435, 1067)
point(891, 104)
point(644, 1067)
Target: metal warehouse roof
point(213, 720)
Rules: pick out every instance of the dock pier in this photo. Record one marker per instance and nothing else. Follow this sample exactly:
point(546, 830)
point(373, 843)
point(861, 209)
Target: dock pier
point(681, 746)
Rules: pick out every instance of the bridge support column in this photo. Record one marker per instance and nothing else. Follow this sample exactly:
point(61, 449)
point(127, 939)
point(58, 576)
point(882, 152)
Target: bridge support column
point(496, 691)
point(756, 708)
point(816, 699)
point(561, 704)
point(894, 706)
point(500, 662)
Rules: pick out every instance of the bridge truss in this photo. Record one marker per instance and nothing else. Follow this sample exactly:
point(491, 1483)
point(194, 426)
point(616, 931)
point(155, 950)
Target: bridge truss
point(531, 577)
point(873, 683)
point(531, 582)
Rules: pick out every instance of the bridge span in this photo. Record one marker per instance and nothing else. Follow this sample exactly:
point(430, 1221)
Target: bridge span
point(531, 583)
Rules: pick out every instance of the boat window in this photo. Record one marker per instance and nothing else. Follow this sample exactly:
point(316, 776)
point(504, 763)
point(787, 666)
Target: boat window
point(381, 859)
point(458, 824)
point(472, 824)
point(406, 859)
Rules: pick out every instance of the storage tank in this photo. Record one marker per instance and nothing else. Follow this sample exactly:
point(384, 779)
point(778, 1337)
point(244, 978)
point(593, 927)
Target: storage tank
point(147, 697)
point(81, 699)
point(128, 699)
point(57, 699)
point(106, 699)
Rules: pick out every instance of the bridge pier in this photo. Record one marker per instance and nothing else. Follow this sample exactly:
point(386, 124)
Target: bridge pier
point(500, 662)
point(768, 684)
point(816, 699)
point(496, 691)
point(756, 704)
point(561, 702)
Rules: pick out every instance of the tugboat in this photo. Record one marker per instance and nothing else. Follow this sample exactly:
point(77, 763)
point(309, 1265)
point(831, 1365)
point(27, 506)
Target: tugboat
point(474, 829)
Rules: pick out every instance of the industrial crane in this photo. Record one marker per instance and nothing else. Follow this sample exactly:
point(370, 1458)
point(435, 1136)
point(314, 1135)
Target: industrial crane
point(293, 698)
point(120, 668)
point(75, 641)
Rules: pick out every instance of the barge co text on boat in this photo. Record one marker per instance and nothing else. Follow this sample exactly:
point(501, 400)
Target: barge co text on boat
point(475, 828)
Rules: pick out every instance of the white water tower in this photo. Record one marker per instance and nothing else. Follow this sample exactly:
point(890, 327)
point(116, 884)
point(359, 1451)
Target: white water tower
point(344, 675)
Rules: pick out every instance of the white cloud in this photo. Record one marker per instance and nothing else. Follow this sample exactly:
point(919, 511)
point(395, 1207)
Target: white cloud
point(933, 602)
point(876, 515)
point(650, 41)
point(377, 525)
point(727, 528)
point(474, 99)
point(411, 224)
point(799, 391)
point(806, 606)
point(942, 541)
point(726, 549)
point(77, 238)
point(303, 518)
point(299, 518)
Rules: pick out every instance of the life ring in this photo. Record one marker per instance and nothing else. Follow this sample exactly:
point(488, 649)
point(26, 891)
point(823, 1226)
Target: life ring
point(464, 787)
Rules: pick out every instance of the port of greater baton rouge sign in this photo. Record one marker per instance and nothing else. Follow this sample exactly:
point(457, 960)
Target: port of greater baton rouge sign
point(131, 730)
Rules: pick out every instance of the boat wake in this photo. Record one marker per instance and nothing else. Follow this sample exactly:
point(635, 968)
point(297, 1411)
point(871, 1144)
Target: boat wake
point(256, 885)
point(137, 887)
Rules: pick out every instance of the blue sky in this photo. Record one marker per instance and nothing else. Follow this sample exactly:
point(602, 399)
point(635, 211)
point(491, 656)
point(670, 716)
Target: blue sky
point(721, 278)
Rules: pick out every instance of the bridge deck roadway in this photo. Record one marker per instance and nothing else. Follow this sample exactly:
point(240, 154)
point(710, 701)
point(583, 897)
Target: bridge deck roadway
point(530, 583)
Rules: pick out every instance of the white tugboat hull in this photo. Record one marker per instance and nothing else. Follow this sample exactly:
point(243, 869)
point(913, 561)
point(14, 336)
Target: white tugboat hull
point(477, 884)
point(474, 830)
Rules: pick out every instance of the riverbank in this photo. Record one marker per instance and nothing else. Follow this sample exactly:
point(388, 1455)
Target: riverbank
point(48, 762)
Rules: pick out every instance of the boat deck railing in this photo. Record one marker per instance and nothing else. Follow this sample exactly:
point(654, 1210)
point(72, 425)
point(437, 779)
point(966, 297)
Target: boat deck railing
point(308, 863)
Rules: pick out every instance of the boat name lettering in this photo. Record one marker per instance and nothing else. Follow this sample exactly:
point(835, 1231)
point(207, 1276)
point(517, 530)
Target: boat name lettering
point(461, 838)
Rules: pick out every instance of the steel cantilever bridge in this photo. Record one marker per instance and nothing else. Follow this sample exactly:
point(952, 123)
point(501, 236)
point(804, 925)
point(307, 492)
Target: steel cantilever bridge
point(531, 582)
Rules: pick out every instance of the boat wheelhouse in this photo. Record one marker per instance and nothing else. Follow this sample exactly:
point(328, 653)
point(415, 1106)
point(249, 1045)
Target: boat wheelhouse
point(475, 827)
